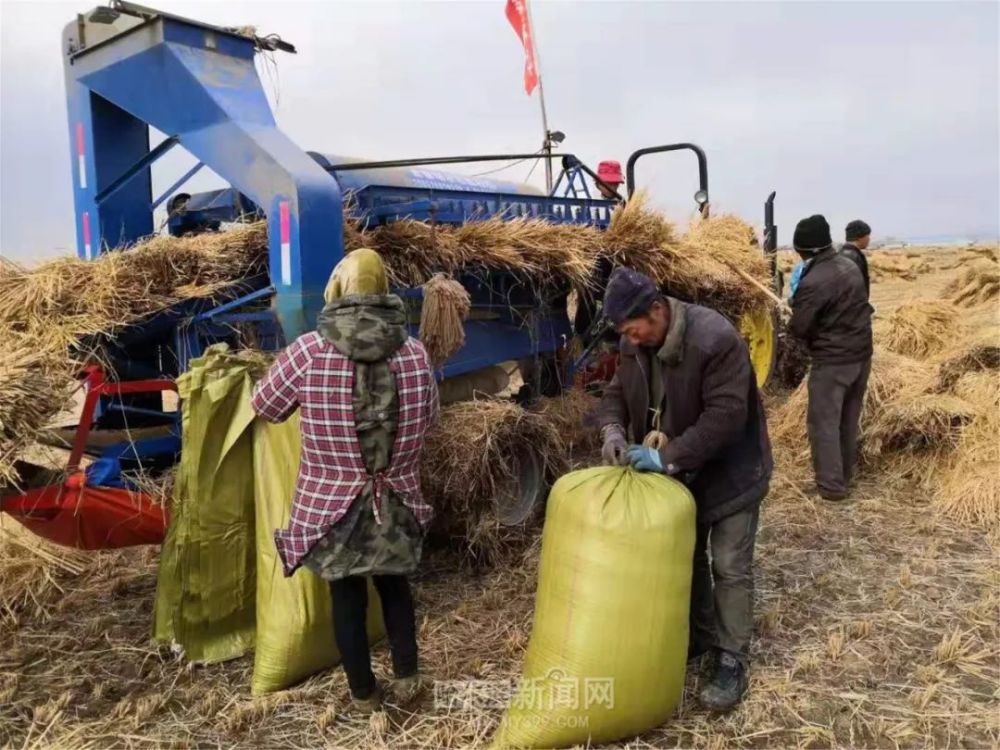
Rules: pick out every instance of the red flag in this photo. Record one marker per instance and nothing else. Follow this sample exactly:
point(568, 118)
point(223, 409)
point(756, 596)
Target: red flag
point(517, 14)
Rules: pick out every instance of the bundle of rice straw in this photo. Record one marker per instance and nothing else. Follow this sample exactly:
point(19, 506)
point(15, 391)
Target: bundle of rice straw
point(536, 249)
point(70, 298)
point(574, 416)
point(698, 267)
point(471, 459)
point(884, 265)
point(444, 310)
point(35, 385)
point(969, 485)
point(977, 284)
point(28, 566)
point(980, 353)
point(916, 419)
point(922, 328)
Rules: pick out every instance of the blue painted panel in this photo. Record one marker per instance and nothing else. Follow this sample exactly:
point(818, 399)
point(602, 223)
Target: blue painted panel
point(210, 97)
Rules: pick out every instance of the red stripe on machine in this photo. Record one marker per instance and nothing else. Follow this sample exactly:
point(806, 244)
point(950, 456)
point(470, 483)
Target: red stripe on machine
point(85, 220)
point(81, 159)
point(286, 243)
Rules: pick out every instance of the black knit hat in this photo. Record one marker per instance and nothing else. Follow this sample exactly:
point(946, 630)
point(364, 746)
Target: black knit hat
point(812, 235)
point(856, 230)
point(629, 294)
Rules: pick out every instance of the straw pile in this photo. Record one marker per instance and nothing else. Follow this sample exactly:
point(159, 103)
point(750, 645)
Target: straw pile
point(28, 566)
point(469, 461)
point(35, 384)
point(574, 417)
point(886, 265)
point(977, 354)
point(922, 328)
point(977, 284)
point(968, 486)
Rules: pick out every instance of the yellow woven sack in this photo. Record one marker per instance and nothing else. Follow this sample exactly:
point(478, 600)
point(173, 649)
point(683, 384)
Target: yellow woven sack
point(206, 583)
point(609, 643)
point(294, 618)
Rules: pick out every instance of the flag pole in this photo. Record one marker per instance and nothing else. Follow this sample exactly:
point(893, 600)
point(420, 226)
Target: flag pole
point(546, 141)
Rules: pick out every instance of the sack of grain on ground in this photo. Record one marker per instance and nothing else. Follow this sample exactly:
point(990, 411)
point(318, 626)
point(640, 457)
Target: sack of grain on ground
point(608, 648)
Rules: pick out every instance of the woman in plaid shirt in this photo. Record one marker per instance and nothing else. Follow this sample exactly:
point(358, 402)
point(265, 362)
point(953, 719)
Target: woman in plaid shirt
point(367, 395)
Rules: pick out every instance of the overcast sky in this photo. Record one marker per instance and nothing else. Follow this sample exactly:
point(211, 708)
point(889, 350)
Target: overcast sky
point(886, 111)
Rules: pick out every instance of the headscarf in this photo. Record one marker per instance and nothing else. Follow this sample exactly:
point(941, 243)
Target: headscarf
point(361, 272)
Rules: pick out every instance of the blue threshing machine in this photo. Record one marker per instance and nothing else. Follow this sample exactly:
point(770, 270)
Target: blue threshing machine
point(129, 68)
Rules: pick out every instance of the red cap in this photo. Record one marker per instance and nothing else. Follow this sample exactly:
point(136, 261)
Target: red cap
point(610, 172)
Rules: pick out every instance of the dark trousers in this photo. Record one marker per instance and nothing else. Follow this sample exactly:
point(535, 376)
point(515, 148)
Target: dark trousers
point(836, 396)
point(722, 590)
point(350, 610)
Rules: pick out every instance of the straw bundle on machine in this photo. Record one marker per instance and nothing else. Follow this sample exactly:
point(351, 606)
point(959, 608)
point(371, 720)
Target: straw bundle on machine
point(63, 300)
point(35, 385)
point(444, 310)
point(922, 328)
point(701, 266)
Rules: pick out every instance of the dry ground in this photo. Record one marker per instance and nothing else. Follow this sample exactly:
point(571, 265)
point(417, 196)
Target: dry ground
point(877, 625)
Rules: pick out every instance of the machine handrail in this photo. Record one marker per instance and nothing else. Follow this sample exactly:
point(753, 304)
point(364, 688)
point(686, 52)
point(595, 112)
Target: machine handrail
point(698, 152)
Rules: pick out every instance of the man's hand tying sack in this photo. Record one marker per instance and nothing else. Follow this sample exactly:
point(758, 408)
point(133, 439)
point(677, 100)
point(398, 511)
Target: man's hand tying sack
point(644, 459)
point(613, 451)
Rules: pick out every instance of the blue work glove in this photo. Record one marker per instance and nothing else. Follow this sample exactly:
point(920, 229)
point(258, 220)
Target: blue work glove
point(644, 459)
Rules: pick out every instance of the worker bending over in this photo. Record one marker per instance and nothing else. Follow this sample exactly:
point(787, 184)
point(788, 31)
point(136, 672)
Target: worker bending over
point(685, 371)
point(831, 314)
point(858, 235)
point(367, 396)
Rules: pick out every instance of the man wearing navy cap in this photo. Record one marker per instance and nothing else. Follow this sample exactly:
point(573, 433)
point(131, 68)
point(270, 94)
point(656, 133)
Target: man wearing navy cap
point(685, 371)
point(832, 316)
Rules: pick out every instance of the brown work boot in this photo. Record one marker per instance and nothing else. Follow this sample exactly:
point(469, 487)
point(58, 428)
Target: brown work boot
point(408, 689)
point(367, 706)
point(833, 496)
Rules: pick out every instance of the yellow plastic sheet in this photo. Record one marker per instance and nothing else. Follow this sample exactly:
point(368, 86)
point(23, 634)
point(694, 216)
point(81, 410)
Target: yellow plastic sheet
point(294, 616)
point(206, 584)
point(608, 647)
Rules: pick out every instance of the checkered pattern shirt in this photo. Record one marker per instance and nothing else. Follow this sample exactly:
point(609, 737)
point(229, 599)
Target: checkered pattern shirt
point(313, 376)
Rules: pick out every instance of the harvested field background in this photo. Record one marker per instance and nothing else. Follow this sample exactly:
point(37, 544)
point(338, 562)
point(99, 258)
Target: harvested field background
point(876, 620)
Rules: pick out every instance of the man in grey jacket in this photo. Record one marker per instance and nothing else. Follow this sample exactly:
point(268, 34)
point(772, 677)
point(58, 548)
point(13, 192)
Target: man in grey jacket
point(685, 371)
point(831, 314)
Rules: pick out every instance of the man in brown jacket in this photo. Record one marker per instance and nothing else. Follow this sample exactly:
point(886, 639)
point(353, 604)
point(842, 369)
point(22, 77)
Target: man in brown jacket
point(831, 314)
point(686, 371)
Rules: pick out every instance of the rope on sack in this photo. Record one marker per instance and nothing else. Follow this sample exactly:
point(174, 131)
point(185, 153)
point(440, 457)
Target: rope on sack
point(655, 439)
point(445, 309)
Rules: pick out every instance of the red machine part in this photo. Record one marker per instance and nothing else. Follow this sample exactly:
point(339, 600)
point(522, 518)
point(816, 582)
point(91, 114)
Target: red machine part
point(76, 515)
point(600, 372)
